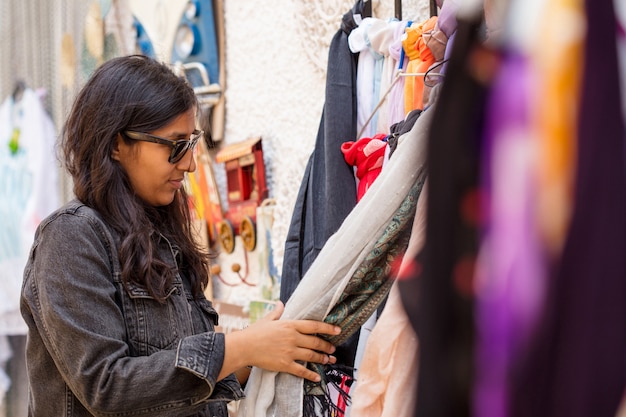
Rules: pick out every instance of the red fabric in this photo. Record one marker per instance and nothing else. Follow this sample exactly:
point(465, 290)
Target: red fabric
point(367, 155)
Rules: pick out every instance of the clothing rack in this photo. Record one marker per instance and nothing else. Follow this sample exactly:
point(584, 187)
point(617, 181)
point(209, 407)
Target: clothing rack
point(367, 9)
point(433, 8)
point(399, 74)
point(398, 8)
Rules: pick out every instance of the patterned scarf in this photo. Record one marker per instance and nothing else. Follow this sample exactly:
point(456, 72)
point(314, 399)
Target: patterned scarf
point(365, 291)
point(362, 251)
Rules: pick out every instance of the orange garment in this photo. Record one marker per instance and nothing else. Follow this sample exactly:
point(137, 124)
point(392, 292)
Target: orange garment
point(426, 60)
point(409, 44)
point(420, 59)
point(557, 60)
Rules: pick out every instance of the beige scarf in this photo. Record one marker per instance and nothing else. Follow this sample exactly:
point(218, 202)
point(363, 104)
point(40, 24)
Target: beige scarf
point(280, 394)
point(389, 367)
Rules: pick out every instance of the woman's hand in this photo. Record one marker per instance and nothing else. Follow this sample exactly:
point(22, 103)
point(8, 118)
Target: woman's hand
point(280, 345)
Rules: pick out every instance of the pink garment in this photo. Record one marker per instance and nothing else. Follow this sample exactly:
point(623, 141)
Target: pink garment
point(387, 376)
point(436, 41)
point(367, 155)
point(396, 96)
point(446, 22)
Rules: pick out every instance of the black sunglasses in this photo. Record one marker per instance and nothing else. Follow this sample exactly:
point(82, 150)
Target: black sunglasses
point(179, 147)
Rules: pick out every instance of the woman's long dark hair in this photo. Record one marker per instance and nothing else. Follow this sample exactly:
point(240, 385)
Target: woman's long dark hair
point(132, 93)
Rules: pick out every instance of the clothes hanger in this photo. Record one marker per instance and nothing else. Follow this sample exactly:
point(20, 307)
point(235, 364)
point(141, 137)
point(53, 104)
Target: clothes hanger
point(429, 74)
point(398, 8)
point(380, 103)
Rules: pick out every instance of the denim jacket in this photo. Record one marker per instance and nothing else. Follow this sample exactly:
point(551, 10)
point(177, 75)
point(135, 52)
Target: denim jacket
point(97, 348)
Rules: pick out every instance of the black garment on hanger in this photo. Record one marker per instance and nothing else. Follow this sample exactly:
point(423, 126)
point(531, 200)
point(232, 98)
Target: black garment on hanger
point(576, 366)
point(328, 190)
point(398, 129)
point(437, 306)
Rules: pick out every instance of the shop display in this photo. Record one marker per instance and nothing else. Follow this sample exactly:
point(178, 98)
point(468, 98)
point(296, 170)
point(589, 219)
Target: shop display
point(246, 190)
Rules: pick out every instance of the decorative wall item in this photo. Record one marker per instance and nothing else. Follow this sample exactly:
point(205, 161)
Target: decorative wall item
point(247, 188)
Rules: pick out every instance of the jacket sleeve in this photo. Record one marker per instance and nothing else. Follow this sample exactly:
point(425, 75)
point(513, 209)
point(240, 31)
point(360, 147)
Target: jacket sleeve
point(70, 291)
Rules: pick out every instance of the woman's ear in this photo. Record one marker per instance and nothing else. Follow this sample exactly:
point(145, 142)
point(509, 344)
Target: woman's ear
point(115, 153)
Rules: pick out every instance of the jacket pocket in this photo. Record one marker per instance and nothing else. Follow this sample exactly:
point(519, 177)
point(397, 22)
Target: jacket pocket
point(209, 313)
point(152, 326)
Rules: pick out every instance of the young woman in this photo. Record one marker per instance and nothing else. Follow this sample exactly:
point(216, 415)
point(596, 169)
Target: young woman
point(113, 290)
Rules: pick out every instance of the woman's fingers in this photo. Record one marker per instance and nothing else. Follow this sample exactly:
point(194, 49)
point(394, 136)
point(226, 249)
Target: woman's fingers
point(315, 344)
point(287, 345)
point(304, 372)
point(316, 327)
point(302, 326)
point(300, 369)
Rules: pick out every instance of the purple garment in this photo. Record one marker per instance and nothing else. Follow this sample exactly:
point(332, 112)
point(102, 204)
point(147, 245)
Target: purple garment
point(446, 21)
point(512, 275)
point(446, 56)
point(577, 367)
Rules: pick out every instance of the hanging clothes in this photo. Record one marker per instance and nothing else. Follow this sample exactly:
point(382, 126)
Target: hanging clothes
point(447, 24)
point(420, 59)
point(575, 365)
point(409, 43)
point(559, 61)
point(397, 131)
point(328, 190)
point(381, 38)
point(396, 95)
point(531, 107)
point(366, 155)
point(438, 297)
point(356, 253)
point(390, 362)
point(511, 267)
point(29, 191)
point(427, 60)
point(368, 74)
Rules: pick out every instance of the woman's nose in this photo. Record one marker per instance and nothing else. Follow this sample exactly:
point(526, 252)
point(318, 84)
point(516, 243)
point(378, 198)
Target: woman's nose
point(188, 162)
